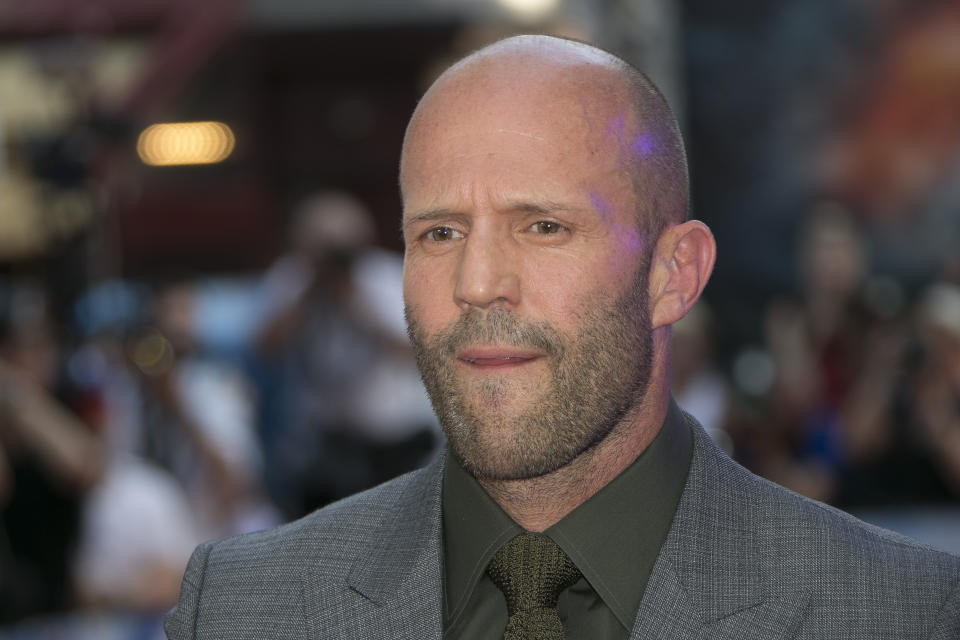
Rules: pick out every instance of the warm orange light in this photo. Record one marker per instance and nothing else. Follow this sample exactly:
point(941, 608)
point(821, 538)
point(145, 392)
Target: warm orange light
point(178, 143)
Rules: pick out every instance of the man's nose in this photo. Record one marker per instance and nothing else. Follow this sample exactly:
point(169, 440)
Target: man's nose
point(487, 273)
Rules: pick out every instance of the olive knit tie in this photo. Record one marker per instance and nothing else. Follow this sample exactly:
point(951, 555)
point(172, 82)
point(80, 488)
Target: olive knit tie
point(531, 570)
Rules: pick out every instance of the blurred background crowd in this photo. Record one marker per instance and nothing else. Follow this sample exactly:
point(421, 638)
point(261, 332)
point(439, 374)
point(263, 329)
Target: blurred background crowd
point(201, 326)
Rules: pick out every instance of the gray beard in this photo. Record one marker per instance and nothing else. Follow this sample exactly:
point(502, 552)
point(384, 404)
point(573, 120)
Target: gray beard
point(595, 378)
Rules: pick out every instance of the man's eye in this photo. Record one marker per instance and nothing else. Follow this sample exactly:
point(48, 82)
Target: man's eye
point(545, 227)
point(441, 234)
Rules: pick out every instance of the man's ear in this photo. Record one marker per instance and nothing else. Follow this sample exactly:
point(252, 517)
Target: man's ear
point(682, 262)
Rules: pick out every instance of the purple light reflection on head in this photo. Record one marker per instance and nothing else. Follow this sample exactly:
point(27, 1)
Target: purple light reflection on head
point(601, 205)
point(615, 127)
point(632, 237)
point(635, 243)
point(643, 144)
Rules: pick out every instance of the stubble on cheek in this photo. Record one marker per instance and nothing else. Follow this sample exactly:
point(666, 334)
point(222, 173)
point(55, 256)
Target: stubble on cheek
point(509, 428)
point(483, 418)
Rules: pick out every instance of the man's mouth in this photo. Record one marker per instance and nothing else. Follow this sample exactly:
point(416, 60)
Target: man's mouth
point(497, 357)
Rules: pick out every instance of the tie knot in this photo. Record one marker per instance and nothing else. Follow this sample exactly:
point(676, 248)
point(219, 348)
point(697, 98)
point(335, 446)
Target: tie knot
point(531, 570)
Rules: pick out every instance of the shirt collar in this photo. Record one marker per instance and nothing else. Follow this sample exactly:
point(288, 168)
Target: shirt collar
point(474, 527)
point(613, 538)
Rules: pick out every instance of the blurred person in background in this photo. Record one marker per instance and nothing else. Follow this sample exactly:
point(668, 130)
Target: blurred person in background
point(200, 413)
point(937, 390)
point(891, 171)
point(836, 362)
point(94, 536)
point(49, 462)
point(915, 461)
point(138, 519)
point(344, 408)
point(153, 442)
point(937, 383)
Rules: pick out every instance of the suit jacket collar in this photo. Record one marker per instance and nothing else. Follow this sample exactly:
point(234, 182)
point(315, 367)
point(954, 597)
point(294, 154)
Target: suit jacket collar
point(394, 589)
point(410, 543)
point(711, 579)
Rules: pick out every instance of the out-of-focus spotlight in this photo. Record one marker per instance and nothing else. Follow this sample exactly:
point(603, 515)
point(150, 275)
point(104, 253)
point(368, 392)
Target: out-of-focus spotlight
point(530, 10)
point(177, 143)
point(152, 353)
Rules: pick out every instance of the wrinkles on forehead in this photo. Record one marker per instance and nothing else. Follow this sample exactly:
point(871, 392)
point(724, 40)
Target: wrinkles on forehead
point(535, 105)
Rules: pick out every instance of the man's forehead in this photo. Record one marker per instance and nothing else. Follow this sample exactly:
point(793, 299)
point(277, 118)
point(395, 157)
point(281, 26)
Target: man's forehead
point(531, 147)
point(586, 112)
point(561, 130)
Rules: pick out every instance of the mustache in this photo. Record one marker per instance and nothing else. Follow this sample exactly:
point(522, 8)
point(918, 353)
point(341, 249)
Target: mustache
point(497, 326)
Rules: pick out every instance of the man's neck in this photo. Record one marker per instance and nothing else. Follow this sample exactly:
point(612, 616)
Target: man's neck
point(538, 503)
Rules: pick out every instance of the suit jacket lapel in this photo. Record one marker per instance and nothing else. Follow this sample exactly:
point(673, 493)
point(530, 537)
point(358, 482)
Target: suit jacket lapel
point(710, 580)
point(394, 589)
point(670, 612)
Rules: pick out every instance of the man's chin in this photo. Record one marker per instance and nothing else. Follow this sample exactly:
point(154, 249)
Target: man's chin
point(491, 470)
point(496, 461)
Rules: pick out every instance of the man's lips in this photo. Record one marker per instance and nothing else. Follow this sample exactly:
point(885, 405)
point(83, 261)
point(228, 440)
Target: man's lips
point(497, 357)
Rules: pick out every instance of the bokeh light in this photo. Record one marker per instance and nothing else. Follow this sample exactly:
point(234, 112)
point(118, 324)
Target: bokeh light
point(182, 143)
point(528, 10)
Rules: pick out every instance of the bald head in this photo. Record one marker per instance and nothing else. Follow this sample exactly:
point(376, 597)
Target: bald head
point(598, 105)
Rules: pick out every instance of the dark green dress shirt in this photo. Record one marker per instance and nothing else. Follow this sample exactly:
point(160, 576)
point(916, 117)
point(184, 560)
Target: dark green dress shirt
point(613, 538)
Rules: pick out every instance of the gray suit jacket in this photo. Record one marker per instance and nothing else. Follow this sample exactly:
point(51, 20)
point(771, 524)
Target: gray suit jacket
point(744, 559)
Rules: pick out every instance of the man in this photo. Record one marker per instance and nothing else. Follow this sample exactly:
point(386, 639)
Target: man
point(547, 254)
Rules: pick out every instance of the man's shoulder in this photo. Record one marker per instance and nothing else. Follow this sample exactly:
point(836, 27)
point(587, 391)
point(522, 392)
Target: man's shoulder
point(335, 534)
point(265, 581)
point(843, 537)
point(796, 536)
point(738, 540)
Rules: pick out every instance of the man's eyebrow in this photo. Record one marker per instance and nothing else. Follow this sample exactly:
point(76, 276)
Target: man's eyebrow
point(430, 215)
point(540, 206)
point(426, 216)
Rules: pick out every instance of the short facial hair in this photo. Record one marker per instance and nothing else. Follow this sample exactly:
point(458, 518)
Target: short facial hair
point(595, 378)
